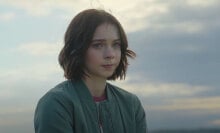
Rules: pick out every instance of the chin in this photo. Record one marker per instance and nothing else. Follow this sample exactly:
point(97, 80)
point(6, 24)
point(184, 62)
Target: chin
point(108, 76)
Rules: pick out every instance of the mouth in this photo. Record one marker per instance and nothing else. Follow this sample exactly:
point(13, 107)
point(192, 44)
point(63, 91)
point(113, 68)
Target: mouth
point(108, 66)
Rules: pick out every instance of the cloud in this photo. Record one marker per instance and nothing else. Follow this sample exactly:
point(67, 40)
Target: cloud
point(132, 15)
point(7, 16)
point(157, 96)
point(210, 104)
point(7, 115)
point(38, 71)
point(34, 65)
point(143, 14)
point(147, 14)
point(185, 27)
point(184, 17)
point(175, 73)
point(45, 8)
point(150, 89)
point(138, 16)
point(34, 7)
point(174, 105)
point(202, 3)
point(214, 122)
point(40, 48)
point(180, 46)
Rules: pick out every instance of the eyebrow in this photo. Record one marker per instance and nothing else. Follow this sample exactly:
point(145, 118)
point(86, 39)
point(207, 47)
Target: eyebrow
point(103, 40)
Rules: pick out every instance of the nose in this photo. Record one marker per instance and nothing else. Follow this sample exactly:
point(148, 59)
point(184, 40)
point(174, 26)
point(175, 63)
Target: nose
point(109, 53)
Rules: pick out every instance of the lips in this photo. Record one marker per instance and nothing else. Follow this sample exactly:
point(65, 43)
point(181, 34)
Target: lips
point(108, 66)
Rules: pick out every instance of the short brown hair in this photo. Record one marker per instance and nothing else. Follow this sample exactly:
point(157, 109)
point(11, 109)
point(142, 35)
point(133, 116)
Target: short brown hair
point(79, 35)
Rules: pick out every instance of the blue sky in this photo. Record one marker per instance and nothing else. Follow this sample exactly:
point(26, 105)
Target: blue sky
point(176, 72)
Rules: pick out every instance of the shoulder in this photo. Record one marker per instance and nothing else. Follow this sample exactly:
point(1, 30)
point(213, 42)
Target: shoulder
point(60, 95)
point(54, 108)
point(60, 90)
point(64, 89)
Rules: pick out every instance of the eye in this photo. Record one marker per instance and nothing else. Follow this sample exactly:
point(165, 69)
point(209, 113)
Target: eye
point(97, 45)
point(117, 45)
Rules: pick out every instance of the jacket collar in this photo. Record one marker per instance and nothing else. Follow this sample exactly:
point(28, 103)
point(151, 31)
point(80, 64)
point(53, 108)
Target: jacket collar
point(84, 93)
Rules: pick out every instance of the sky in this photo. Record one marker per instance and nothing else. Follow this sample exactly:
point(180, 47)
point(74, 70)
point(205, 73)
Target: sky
point(175, 74)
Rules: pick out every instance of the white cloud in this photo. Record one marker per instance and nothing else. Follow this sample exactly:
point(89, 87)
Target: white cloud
point(186, 27)
point(172, 96)
point(202, 3)
point(44, 8)
point(29, 82)
point(200, 105)
point(7, 16)
point(139, 15)
point(167, 89)
point(39, 71)
point(40, 48)
point(33, 7)
point(37, 76)
point(133, 15)
point(37, 64)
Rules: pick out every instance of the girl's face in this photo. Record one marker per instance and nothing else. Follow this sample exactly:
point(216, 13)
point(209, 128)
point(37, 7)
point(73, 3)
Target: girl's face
point(104, 52)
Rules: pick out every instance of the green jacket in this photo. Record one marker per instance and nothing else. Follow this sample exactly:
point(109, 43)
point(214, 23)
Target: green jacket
point(69, 108)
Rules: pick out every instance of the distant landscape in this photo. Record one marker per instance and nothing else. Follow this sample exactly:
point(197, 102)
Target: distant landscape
point(187, 131)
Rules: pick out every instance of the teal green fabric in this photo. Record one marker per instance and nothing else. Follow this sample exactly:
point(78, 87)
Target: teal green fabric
point(69, 108)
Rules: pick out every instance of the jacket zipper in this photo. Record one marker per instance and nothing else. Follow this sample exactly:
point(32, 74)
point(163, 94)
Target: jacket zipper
point(99, 117)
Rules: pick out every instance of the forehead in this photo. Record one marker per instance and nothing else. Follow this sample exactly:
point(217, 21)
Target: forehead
point(106, 31)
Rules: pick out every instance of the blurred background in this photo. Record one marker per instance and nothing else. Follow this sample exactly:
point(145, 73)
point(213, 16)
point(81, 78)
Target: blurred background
point(176, 73)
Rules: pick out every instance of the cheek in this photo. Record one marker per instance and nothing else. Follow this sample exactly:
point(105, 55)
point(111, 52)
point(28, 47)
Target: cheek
point(119, 55)
point(92, 57)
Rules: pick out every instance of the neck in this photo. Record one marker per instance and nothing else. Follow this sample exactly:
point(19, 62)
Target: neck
point(95, 86)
